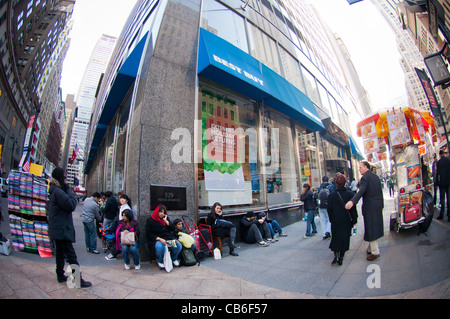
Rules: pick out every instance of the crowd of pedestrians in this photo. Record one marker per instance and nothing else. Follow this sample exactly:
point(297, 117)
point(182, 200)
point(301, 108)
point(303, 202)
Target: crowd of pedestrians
point(335, 201)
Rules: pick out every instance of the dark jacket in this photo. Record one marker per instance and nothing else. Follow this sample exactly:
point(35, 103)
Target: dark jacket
point(61, 204)
point(215, 229)
point(443, 171)
point(372, 207)
point(154, 229)
point(308, 200)
point(341, 220)
point(111, 208)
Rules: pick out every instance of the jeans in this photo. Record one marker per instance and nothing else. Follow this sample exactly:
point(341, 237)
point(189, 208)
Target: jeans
point(160, 249)
point(134, 252)
point(309, 222)
point(90, 235)
point(325, 223)
point(274, 224)
point(257, 233)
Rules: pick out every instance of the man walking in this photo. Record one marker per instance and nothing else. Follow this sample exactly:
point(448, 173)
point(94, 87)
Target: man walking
point(325, 223)
point(91, 212)
point(443, 179)
point(372, 208)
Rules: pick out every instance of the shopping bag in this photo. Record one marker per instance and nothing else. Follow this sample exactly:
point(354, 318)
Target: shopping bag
point(5, 247)
point(185, 239)
point(167, 260)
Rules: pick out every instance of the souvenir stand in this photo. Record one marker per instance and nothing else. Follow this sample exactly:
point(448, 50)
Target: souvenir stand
point(403, 135)
point(27, 207)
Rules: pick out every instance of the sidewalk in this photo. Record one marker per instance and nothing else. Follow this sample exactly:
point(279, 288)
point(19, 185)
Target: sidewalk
point(410, 266)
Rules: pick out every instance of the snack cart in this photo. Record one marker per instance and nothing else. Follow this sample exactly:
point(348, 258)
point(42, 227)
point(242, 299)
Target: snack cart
point(404, 136)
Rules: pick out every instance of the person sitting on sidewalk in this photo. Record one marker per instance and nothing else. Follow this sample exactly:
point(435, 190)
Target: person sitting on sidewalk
point(222, 228)
point(273, 226)
point(254, 230)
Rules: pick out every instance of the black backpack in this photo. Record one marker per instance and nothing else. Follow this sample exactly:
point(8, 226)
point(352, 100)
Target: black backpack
point(323, 197)
point(187, 257)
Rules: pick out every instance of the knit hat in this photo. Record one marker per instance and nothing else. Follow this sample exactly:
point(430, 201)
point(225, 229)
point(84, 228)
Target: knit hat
point(250, 214)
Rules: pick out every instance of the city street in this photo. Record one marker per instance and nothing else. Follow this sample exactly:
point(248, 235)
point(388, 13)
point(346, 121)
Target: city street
point(410, 266)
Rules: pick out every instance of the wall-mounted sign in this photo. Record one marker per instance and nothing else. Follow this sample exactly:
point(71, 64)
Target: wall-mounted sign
point(173, 197)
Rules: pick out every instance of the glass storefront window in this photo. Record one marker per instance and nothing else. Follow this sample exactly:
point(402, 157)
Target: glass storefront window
point(230, 172)
point(224, 23)
point(121, 146)
point(279, 159)
point(109, 158)
point(308, 157)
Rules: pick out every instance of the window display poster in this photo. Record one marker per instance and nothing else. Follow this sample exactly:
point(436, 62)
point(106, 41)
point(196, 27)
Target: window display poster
point(221, 162)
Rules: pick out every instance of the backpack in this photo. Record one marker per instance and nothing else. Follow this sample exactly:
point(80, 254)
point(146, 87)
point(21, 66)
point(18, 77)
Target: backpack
point(323, 197)
point(187, 257)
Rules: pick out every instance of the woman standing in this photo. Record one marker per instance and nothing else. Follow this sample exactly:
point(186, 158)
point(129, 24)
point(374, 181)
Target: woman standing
point(307, 197)
point(160, 230)
point(221, 227)
point(342, 220)
point(129, 224)
point(61, 204)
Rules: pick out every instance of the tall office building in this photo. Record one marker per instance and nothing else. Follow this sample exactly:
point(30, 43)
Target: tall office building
point(239, 102)
point(85, 99)
point(33, 41)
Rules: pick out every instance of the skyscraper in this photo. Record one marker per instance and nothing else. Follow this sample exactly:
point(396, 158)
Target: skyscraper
point(85, 100)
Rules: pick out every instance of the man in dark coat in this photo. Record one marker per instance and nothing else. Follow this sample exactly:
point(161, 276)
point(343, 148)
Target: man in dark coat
point(372, 208)
point(62, 202)
point(443, 180)
point(111, 209)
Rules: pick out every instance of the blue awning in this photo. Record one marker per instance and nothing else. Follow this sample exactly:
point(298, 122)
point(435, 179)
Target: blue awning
point(226, 64)
point(355, 149)
point(121, 85)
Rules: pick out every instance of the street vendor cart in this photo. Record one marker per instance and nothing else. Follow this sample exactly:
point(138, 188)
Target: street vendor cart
point(402, 137)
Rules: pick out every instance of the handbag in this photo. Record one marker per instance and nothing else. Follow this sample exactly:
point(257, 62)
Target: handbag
point(127, 238)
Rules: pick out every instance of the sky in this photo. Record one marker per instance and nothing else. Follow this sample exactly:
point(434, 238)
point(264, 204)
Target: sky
point(366, 34)
point(91, 18)
point(372, 46)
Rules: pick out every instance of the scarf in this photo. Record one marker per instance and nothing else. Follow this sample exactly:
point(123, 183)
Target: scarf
point(155, 216)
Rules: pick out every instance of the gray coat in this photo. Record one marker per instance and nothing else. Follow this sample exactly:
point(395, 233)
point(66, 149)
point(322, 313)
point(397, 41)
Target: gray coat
point(60, 207)
point(372, 207)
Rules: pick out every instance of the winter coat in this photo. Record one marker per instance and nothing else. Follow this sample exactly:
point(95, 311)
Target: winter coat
point(443, 171)
point(372, 207)
point(341, 221)
point(308, 200)
point(61, 204)
point(154, 229)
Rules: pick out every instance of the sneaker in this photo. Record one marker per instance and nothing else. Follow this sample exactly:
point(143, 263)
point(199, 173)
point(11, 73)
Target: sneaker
point(95, 252)
point(275, 239)
point(269, 240)
point(161, 266)
point(110, 257)
point(176, 263)
point(283, 235)
point(307, 237)
point(263, 244)
point(137, 267)
point(127, 267)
